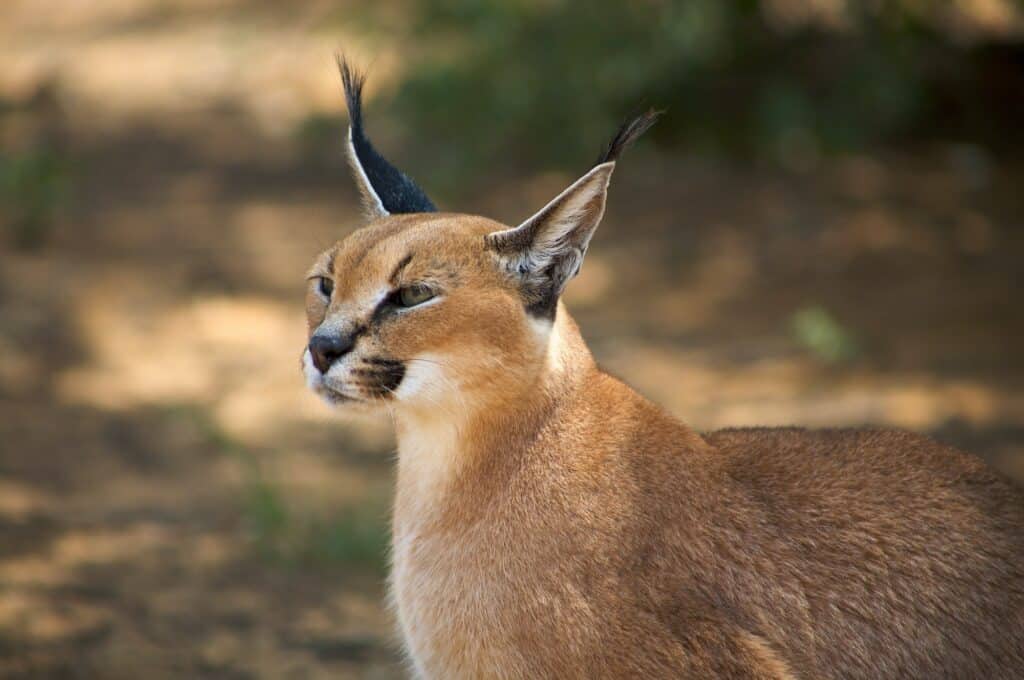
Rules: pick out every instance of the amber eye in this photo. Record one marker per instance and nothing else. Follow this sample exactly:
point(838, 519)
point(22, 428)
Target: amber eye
point(410, 296)
point(325, 286)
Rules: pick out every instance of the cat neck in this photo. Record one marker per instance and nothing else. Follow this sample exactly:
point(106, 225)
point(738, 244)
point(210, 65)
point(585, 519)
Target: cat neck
point(492, 425)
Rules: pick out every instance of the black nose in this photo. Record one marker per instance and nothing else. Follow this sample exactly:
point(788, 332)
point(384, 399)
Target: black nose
point(326, 349)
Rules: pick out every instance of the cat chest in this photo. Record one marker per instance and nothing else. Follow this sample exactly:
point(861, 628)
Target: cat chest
point(458, 605)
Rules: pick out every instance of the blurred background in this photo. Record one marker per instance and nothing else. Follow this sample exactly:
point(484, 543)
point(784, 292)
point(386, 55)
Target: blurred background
point(824, 229)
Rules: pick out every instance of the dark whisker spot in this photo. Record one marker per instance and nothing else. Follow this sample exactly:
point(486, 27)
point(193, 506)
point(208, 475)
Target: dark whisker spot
point(381, 361)
point(391, 378)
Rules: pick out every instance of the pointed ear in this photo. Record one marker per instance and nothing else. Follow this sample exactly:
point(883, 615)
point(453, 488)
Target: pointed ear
point(384, 188)
point(547, 250)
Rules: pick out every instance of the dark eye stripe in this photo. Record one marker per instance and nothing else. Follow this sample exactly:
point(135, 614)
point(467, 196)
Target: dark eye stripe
point(392, 302)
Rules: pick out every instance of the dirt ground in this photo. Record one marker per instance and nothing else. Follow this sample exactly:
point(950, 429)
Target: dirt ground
point(172, 502)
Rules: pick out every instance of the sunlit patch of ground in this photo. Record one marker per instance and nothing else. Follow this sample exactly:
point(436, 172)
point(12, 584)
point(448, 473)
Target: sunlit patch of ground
point(174, 503)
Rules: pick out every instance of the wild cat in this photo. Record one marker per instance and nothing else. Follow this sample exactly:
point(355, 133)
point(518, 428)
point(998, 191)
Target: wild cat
point(549, 522)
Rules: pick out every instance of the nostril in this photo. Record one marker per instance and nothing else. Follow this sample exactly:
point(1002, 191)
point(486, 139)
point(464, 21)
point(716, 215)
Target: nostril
point(325, 350)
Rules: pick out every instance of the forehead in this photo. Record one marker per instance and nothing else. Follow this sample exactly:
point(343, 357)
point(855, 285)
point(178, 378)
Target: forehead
point(372, 254)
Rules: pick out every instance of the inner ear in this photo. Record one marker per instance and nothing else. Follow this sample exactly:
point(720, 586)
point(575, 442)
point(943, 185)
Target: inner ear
point(546, 251)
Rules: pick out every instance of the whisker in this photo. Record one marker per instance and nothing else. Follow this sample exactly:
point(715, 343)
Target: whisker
point(381, 361)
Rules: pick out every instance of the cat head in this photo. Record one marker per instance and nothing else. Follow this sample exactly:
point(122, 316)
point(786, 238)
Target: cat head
point(420, 308)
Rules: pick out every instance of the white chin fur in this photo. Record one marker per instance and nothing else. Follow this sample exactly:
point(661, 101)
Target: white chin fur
point(314, 380)
point(425, 380)
point(317, 382)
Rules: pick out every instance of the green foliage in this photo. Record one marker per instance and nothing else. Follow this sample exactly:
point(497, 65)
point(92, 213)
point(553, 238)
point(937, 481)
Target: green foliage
point(357, 536)
point(541, 83)
point(34, 186)
point(266, 514)
point(818, 331)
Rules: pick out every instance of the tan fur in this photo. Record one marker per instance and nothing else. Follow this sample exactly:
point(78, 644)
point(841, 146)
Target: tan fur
point(549, 522)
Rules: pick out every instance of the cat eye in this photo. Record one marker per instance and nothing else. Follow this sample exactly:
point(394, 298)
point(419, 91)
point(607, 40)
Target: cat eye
point(325, 286)
point(417, 294)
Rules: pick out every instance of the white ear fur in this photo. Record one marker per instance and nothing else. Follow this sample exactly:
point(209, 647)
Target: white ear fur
point(547, 249)
point(373, 206)
point(573, 215)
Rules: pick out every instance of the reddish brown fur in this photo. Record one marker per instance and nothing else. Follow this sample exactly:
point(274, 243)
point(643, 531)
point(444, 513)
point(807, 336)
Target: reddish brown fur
point(551, 523)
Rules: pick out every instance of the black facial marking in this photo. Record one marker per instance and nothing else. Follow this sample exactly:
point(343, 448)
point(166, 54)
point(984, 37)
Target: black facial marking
point(387, 307)
point(393, 279)
point(381, 377)
point(392, 376)
point(381, 361)
point(384, 309)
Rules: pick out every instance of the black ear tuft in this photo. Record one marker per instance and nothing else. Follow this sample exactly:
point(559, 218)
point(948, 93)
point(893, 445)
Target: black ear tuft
point(385, 189)
point(627, 134)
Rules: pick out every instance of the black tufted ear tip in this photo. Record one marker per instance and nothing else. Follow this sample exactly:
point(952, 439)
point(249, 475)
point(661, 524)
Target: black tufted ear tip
point(385, 189)
point(628, 133)
point(352, 81)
